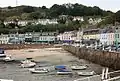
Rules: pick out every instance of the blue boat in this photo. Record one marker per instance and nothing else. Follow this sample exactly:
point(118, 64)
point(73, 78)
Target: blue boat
point(64, 72)
point(60, 67)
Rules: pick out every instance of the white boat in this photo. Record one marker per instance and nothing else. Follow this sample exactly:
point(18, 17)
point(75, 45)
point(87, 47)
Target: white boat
point(5, 80)
point(38, 70)
point(2, 55)
point(8, 59)
point(82, 67)
point(64, 72)
point(28, 64)
point(25, 61)
point(86, 73)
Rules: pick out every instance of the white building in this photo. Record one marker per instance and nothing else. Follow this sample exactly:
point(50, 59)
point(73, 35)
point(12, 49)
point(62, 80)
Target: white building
point(44, 37)
point(4, 39)
point(67, 36)
point(47, 21)
point(78, 18)
point(107, 38)
point(39, 21)
point(79, 35)
point(94, 21)
point(16, 38)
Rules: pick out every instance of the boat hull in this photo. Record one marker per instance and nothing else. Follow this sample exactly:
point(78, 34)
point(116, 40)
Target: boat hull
point(86, 73)
point(5, 80)
point(39, 71)
point(64, 73)
point(28, 65)
point(78, 67)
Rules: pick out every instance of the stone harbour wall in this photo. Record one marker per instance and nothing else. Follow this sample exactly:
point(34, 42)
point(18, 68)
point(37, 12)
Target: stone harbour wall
point(104, 58)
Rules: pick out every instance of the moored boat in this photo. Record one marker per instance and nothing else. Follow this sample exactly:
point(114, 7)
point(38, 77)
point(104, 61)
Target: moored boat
point(82, 67)
point(86, 73)
point(5, 80)
point(38, 70)
point(8, 59)
point(60, 67)
point(65, 72)
point(28, 64)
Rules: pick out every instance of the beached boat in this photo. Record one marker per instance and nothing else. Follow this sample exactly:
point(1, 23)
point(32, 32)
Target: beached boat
point(27, 64)
point(60, 67)
point(2, 53)
point(8, 59)
point(38, 70)
point(86, 73)
point(5, 80)
point(65, 72)
point(25, 61)
point(82, 67)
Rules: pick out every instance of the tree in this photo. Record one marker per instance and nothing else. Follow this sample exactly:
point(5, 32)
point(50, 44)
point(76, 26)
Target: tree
point(28, 9)
point(44, 7)
point(107, 20)
point(2, 25)
point(117, 14)
point(34, 15)
point(25, 16)
point(62, 21)
point(9, 7)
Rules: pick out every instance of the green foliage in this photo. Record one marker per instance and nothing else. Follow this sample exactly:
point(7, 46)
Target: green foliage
point(54, 11)
point(117, 14)
point(65, 24)
point(62, 21)
point(107, 20)
point(34, 15)
point(28, 9)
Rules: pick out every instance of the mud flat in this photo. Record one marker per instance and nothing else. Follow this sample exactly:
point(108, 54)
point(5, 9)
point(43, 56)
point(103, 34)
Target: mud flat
point(46, 56)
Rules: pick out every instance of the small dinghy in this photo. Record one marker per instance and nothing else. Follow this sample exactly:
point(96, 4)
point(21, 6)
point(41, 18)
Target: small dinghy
point(5, 80)
point(64, 72)
point(28, 64)
point(8, 59)
point(60, 67)
point(86, 73)
point(38, 70)
point(82, 67)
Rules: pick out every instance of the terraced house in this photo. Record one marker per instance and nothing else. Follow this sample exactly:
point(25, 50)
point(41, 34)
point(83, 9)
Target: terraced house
point(44, 37)
point(117, 36)
point(91, 34)
point(4, 39)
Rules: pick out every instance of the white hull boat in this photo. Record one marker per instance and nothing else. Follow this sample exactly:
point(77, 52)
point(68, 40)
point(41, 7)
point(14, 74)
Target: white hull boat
point(2, 55)
point(5, 80)
point(86, 73)
point(38, 70)
point(78, 67)
point(8, 59)
point(28, 64)
point(25, 61)
point(64, 72)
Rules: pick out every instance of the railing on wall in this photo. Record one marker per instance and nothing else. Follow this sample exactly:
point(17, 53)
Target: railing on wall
point(113, 76)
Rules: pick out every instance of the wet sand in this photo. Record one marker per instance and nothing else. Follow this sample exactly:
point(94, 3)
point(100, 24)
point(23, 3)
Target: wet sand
point(47, 56)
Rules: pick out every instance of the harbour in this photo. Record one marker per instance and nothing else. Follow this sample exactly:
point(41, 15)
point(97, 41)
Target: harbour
point(45, 57)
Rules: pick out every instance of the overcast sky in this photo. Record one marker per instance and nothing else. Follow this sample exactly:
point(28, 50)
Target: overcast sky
point(112, 5)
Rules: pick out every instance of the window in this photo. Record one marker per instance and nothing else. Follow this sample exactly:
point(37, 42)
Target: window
point(115, 35)
point(118, 36)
